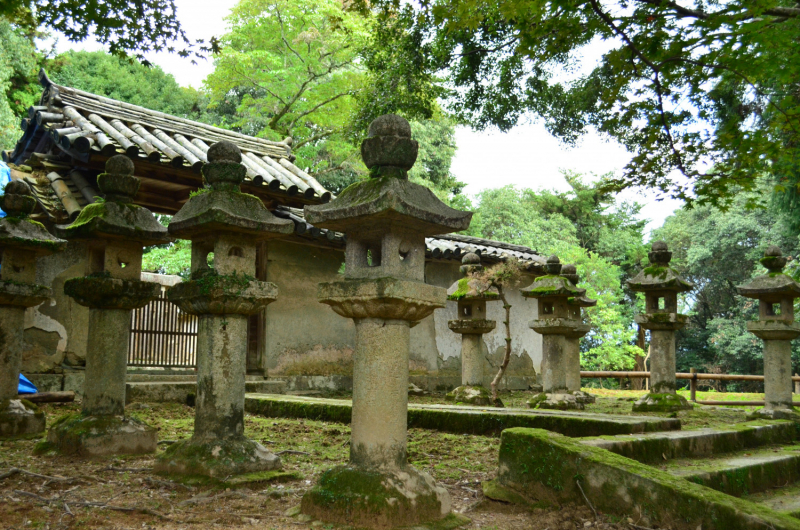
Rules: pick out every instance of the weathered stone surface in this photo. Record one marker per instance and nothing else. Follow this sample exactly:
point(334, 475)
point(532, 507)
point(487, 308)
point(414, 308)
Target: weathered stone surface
point(470, 395)
point(661, 402)
point(11, 321)
point(471, 327)
point(229, 210)
point(551, 286)
point(111, 293)
point(656, 447)
point(376, 499)
point(388, 201)
point(549, 467)
point(386, 298)
point(30, 235)
point(466, 419)
point(40, 351)
point(22, 295)
point(106, 362)
point(112, 219)
point(555, 400)
point(217, 458)
point(222, 295)
point(20, 419)
point(661, 321)
point(659, 276)
point(92, 436)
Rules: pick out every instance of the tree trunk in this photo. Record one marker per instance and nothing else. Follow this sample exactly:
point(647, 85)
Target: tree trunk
point(637, 383)
point(495, 399)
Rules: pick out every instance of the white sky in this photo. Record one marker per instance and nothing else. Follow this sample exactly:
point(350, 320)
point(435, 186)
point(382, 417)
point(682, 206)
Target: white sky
point(526, 157)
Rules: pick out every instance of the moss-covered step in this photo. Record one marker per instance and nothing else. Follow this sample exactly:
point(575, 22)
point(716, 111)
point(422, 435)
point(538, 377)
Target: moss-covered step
point(651, 448)
point(550, 467)
point(464, 419)
point(743, 472)
point(784, 500)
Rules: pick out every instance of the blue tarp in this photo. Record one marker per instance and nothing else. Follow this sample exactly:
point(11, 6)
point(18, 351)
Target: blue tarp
point(25, 386)
point(5, 178)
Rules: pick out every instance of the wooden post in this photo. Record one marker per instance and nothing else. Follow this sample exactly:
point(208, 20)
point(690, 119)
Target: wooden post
point(693, 385)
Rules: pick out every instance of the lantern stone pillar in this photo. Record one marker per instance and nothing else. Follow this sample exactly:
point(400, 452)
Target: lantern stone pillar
point(386, 219)
point(572, 340)
point(661, 285)
point(223, 221)
point(556, 321)
point(775, 292)
point(22, 240)
point(115, 231)
point(471, 296)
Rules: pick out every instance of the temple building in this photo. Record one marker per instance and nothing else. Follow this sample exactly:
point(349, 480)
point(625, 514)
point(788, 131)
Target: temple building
point(65, 144)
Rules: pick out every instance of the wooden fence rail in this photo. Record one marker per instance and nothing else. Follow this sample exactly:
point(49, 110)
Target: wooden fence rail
point(693, 377)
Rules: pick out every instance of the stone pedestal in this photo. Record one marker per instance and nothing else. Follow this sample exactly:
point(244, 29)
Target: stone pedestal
point(386, 220)
point(21, 242)
point(775, 292)
point(661, 285)
point(471, 296)
point(572, 340)
point(555, 323)
point(115, 232)
point(229, 223)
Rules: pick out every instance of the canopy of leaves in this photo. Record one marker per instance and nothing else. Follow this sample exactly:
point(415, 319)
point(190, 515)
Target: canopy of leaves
point(717, 251)
point(125, 27)
point(684, 85)
point(18, 64)
point(123, 79)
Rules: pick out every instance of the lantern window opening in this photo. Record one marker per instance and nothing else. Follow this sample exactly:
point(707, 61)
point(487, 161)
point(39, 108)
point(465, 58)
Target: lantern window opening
point(236, 252)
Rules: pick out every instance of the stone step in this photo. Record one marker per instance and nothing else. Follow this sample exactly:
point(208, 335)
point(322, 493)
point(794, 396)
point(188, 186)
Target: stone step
point(784, 500)
point(464, 419)
point(741, 473)
point(185, 391)
point(652, 448)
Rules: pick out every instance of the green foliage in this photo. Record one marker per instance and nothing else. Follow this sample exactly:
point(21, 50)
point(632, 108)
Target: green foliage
point(680, 85)
point(717, 251)
point(437, 147)
point(122, 79)
point(173, 258)
point(18, 63)
point(124, 27)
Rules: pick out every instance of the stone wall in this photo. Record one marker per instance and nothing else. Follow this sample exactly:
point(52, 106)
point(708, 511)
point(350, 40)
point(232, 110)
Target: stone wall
point(303, 337)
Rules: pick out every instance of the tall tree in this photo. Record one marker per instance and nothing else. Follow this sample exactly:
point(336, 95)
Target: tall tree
point(682, 83)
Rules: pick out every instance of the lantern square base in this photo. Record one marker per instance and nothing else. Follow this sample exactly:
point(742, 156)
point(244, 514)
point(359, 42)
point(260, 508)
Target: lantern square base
point(556, 401)
point(365, 498)
point(20, 419)
point(101, 436)
point(666, 402)
point(470, 395)
point(216, 458)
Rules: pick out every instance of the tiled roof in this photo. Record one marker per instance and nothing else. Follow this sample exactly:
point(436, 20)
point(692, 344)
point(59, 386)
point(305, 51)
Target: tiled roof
point(82, 123)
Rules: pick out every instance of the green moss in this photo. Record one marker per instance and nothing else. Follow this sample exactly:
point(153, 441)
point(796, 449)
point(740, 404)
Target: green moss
point(461, 291)
point(364, 190)
point(211, 281)
point(654, 271)
point(449, 420)
point(492, 489)
point(660, 400)
point(217, 459)
point(244, 480)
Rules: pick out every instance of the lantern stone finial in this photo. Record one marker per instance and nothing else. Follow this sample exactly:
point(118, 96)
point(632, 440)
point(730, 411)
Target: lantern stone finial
point(553, 265)
point(773, 259)
point(388, 150)
point(118, 183)
point(17, 200)
point(659, 253)
point(224, 170)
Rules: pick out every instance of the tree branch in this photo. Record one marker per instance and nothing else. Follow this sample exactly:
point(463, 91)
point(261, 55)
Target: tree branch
point(317, 107)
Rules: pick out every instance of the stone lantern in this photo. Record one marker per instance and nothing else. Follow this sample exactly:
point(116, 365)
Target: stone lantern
point(661, 285)
point(572, 339)
point(775, 292)
point(386, 219)
point(557, 320)
point(471, 296)
point(114, 231)
point(228, 223)
point(22, 240)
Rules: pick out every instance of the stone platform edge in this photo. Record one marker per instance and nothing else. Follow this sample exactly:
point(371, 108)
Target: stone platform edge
point(461, 420)
point(546, 466)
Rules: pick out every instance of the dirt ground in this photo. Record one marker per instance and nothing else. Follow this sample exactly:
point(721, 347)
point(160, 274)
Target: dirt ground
point(54, 492)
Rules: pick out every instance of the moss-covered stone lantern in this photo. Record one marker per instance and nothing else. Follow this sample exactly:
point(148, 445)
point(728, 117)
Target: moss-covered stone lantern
point(775, 292)
point(471, 296)
point(22, 240)
point(115, 231)
point(661, 285)
point(556, 320)
point(572, 339)
point(386, 219)
point(228, 223)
